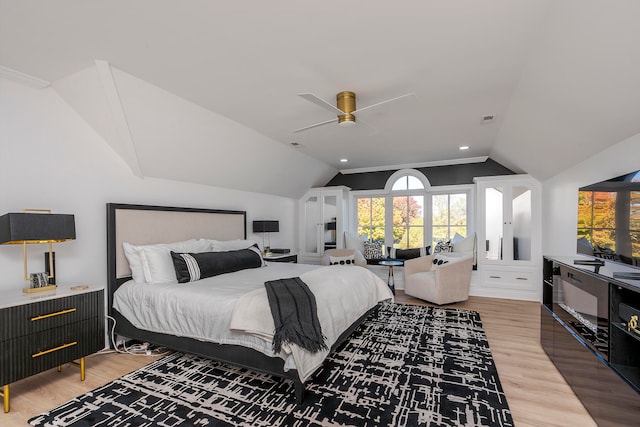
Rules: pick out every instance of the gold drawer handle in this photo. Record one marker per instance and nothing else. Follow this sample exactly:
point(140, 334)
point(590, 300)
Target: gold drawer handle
point(42, 353)
point(521, 278)
point(58, 313)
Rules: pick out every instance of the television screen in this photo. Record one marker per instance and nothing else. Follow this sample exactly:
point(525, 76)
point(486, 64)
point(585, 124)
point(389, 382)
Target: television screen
point(609, 219)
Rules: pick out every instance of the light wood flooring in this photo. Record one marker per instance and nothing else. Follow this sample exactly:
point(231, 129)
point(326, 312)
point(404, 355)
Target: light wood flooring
point(536, 392)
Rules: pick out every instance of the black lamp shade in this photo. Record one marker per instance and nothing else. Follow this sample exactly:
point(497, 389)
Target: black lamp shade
point(266, 226)
point(36, 228)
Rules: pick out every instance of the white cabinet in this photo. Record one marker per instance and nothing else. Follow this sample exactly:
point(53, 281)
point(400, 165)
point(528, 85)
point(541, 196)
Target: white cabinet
point(323, 213)
point(509, 234)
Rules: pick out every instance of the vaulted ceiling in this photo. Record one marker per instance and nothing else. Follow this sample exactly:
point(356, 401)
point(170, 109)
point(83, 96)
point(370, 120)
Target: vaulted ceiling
point(217, 83)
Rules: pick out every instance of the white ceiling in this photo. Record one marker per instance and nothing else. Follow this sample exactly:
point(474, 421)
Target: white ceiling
point(560, 76)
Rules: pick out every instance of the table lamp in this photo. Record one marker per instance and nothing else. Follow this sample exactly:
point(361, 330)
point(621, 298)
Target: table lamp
point(266, 226)
point(35, 226)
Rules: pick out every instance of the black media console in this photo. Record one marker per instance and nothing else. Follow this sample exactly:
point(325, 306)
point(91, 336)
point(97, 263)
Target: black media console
point(587, 329)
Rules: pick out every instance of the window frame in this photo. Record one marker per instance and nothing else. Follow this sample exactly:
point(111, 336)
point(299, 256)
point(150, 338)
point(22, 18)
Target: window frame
point(427, 192)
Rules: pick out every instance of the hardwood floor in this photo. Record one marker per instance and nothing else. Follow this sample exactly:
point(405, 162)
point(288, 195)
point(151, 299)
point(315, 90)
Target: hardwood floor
point(536, 392)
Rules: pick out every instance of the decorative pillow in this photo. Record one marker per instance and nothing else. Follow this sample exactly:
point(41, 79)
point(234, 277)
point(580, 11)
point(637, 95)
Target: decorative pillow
point(442, 247)
point(351, 242)
point(456, 238)
point(190, 267)
point(156, 259)
point(342, 260)
point(408, 253)
point(372, 250)
point(152, 263)
point(465, 244)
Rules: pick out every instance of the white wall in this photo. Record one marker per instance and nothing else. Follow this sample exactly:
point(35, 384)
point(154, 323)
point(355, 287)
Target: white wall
point(51, 159)
point(560, 193)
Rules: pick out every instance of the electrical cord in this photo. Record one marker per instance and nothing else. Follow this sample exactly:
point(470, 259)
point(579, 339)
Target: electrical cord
point(144, 349)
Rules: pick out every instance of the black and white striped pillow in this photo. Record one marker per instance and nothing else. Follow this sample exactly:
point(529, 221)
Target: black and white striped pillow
point(408, 253)
point(195, 266)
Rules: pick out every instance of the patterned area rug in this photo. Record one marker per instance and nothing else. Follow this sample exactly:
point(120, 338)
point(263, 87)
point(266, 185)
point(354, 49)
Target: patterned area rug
point(405, 366)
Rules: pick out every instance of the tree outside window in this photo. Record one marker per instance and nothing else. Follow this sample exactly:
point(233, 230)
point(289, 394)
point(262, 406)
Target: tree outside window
point(448, 216)
point(408, 222)
point(596, 218)
point(371, 214)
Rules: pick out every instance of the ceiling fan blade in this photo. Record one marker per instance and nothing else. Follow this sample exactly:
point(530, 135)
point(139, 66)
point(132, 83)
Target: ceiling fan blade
point(372, 129)
point(359, 110)
point(316, 125)
point(321, 103)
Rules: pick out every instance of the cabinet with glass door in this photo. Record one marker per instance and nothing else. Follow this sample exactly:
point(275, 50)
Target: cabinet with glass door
point(509, 234)
point(323, 212)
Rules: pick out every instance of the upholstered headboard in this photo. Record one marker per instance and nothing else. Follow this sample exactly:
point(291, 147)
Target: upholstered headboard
point(142, 225)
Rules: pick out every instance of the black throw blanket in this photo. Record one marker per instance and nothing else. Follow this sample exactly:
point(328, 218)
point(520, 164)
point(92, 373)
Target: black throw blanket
point(295, 315)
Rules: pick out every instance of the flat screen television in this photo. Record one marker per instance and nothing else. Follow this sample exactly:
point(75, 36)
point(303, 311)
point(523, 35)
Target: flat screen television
point(609, 219)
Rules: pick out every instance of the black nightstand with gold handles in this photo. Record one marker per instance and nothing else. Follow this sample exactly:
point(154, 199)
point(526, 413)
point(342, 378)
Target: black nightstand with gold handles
point(40, 332)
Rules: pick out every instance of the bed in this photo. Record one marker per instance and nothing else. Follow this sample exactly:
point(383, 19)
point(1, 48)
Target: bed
point(239, 338)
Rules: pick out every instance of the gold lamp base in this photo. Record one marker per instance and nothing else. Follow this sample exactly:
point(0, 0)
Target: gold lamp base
point(40, 289)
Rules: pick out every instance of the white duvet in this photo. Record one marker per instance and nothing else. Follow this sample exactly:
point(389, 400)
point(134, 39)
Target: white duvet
point(233, 308)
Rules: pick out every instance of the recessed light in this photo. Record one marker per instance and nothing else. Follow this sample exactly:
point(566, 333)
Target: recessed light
point(463, 147)
point(344, 160)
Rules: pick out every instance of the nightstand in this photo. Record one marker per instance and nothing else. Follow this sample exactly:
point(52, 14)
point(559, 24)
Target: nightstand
point(282, 258)
point(40, 332)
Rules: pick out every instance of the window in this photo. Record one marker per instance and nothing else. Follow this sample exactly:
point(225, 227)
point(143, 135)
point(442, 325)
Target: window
point(371, 215)
point(448, 216)
point(408, 221)
point(410, 214)
point(407, 182)
point(596, 218)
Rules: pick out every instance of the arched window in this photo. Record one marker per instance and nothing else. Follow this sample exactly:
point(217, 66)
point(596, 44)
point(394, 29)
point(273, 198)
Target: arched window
point(409, 213)
point(407, 182)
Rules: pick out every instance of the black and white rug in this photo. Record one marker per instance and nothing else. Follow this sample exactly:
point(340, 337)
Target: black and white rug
point(405, 366)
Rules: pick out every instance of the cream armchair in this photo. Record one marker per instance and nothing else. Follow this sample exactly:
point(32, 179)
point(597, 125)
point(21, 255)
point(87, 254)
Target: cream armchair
point(357, 256)
point(442, 284)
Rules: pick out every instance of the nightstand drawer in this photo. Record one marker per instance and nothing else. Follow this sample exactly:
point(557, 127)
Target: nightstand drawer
point(27, 319)
point(28, 355)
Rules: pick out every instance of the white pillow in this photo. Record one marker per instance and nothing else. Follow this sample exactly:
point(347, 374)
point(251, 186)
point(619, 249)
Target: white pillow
point(153, 264)
point(464, 245)
point(135, 263)
point(456, 238)
point(351, 242)
point(230, 245)
point(342, 260)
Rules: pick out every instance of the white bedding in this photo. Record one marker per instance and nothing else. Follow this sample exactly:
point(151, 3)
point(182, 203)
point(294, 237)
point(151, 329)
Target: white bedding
point(203, 310)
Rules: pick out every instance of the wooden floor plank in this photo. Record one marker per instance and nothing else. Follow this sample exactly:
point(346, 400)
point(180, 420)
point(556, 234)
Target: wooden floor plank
point(536, 392)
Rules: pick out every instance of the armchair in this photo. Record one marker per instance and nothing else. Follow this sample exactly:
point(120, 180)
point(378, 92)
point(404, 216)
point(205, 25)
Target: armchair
point(439, 284)
point(358, 258)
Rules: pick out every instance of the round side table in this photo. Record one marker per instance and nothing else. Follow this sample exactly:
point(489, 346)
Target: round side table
point(390, 280)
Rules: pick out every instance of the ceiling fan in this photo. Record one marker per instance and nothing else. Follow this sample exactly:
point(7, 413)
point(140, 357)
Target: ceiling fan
point(345, 108)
